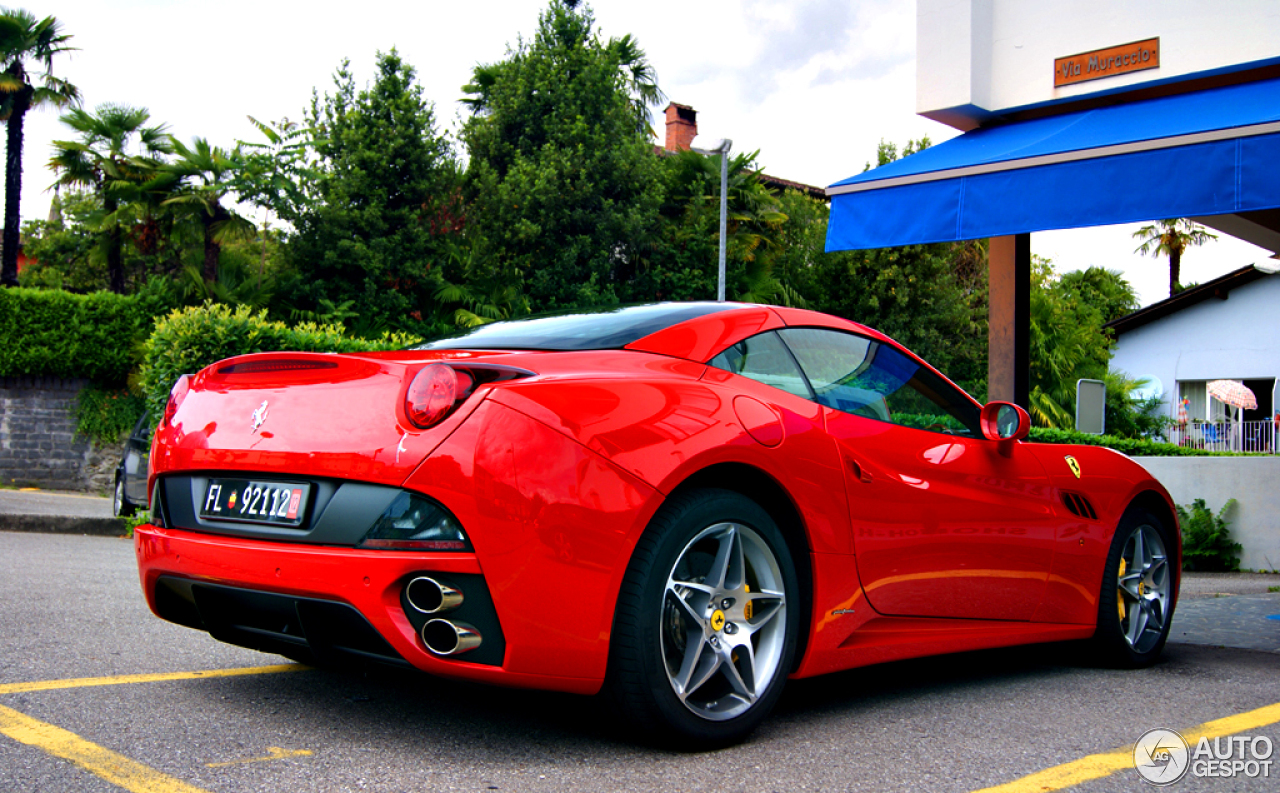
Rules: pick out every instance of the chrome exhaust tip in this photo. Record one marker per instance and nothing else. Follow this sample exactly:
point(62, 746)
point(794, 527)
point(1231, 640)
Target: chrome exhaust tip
point(443, 637)
point(432, 597)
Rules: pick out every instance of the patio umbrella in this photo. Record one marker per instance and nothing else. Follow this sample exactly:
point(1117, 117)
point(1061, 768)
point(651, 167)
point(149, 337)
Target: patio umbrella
point(1233, 393)
point(1237, 396)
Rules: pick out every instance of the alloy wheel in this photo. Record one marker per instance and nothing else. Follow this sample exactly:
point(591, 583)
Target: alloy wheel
point(1144, 585)
point(724, 618)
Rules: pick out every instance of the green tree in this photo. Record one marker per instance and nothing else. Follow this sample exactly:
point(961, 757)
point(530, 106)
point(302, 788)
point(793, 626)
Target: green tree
point(206, 173)
point(25, 41)
point(683, 262)
point(106, 160)
point(1170, 238)
point(62, 248)
point(565, 183)
point(1067, 344)
point(387, 212)
point(1105, 290)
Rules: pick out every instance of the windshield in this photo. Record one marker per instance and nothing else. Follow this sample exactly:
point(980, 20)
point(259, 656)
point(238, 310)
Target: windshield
point(603, 330)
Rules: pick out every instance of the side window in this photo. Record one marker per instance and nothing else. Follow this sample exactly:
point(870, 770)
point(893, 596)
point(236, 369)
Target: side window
point(765, 359)
point(868, 378)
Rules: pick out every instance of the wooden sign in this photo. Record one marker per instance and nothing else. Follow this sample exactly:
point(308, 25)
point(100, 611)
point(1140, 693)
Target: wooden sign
point(1107, 63)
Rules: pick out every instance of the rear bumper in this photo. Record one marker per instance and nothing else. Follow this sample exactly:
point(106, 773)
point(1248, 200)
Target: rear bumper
point(323, 586)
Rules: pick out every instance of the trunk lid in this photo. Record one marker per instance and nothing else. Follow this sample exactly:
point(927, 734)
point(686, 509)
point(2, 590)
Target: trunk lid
point(308, 414)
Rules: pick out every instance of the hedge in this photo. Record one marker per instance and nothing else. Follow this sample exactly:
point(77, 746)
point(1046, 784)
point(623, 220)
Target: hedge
point(189, 339)
point(1130, 446)
point(48, 332)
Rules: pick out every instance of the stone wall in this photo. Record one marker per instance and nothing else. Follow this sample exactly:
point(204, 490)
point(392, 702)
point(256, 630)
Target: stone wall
point(39, 446)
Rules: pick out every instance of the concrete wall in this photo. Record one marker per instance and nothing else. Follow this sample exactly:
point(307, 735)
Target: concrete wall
point(975, 58)
point(38, 442)
point(1233, 339)
point(1254, 482)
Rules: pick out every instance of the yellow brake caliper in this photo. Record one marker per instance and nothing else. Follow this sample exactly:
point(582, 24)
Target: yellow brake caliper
point(1120, 591)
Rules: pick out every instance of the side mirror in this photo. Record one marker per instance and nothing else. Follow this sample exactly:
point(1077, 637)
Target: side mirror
point(1004, 421)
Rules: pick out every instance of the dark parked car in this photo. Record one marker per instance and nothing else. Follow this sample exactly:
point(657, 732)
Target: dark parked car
point(130, 492)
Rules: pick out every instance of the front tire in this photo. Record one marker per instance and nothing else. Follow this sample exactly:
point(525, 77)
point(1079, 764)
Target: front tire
point(1135, 606)
point(705, 629)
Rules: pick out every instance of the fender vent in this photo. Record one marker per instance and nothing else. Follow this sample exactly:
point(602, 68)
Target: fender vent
point(1079, 505)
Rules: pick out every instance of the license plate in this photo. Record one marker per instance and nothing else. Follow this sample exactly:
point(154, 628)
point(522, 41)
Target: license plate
point(251, 501)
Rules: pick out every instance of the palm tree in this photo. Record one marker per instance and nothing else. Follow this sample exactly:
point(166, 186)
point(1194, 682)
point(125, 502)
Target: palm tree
point(1170, 238)
point(23, 39)
point(102, 160)
point(208, 172)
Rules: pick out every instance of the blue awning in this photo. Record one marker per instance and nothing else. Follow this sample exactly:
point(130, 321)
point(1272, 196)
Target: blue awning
point(1212, 152)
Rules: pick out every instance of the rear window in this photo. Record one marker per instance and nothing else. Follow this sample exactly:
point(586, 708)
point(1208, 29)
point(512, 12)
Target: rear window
point(604, 330)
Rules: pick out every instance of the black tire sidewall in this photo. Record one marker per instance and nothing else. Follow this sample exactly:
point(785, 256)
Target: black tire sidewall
point(675, 525)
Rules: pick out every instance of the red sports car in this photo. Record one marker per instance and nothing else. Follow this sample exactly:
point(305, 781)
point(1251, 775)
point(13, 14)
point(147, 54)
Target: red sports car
point(684, 503)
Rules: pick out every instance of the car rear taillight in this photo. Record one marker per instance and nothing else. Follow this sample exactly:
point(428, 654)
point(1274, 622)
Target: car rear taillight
point(434, 392)
point(438, 388)
point(176, 395)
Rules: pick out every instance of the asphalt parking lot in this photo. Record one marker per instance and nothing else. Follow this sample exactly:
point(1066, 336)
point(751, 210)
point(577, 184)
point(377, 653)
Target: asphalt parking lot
point(98, 695)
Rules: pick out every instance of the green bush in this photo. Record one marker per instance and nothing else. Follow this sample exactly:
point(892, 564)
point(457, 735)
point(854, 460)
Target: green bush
point(48, 332)
point(1133, 447)
point(106, 414)
point(189, 339)
point(1206, 540)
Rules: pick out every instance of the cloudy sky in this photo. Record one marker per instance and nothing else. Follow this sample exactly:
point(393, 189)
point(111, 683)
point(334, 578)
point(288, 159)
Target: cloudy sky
point(813, 85)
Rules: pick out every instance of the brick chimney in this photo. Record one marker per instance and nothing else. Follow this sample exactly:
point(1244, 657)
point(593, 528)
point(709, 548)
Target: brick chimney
point(682, 126)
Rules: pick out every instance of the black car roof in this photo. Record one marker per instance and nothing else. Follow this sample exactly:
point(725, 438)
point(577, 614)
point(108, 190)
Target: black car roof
point(578, 330)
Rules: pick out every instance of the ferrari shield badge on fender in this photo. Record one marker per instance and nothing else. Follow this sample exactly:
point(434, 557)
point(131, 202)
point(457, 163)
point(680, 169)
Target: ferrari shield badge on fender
point(1071, 463)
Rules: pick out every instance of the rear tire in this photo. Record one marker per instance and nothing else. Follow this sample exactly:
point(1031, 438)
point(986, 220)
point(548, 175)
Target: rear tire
point(705, 629)
point(1136, 604)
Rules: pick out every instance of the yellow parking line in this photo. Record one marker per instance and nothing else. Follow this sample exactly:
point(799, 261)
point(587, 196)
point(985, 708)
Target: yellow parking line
point(1097, 766)
point(273, 753)
point(114, 768)
point(116, 680)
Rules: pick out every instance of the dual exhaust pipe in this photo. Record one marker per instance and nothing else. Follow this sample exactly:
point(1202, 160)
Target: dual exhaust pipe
point(441, 636)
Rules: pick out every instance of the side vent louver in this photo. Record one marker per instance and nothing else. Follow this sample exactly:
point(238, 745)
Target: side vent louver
point(1079, 505)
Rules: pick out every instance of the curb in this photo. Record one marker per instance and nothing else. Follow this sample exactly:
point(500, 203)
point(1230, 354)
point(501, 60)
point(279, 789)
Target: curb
point(56, 524)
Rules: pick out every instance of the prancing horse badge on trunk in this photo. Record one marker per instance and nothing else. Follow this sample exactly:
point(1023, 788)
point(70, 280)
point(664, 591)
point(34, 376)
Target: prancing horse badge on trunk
point(260, 416)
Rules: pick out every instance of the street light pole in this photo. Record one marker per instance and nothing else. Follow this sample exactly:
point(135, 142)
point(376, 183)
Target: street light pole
point(722, 148)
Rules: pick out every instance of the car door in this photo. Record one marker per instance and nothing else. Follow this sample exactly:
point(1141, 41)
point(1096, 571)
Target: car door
point(136, 455)
point(945, 522)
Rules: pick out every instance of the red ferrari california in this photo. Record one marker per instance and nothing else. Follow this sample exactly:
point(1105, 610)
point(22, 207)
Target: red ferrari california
point(682, 503)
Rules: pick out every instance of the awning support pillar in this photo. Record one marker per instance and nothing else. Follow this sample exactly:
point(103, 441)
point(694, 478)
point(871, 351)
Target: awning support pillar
point(1009, 319)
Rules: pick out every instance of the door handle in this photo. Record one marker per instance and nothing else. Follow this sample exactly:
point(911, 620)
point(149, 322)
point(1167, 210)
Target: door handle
point(859, 473)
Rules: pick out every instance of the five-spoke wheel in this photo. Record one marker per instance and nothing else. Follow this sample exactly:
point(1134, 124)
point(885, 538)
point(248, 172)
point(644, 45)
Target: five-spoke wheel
point(1136, 603)
point(705, 629)
point(724, 622)
point(1144, 585)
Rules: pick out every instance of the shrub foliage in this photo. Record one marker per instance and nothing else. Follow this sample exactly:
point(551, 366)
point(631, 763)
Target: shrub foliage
point(1134, 447)
point(106, 414)
point(1206, 541)
point(45, 332)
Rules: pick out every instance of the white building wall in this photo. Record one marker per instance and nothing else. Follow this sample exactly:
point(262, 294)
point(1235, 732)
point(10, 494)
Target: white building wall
point(1233, 339)
point(976, 58)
